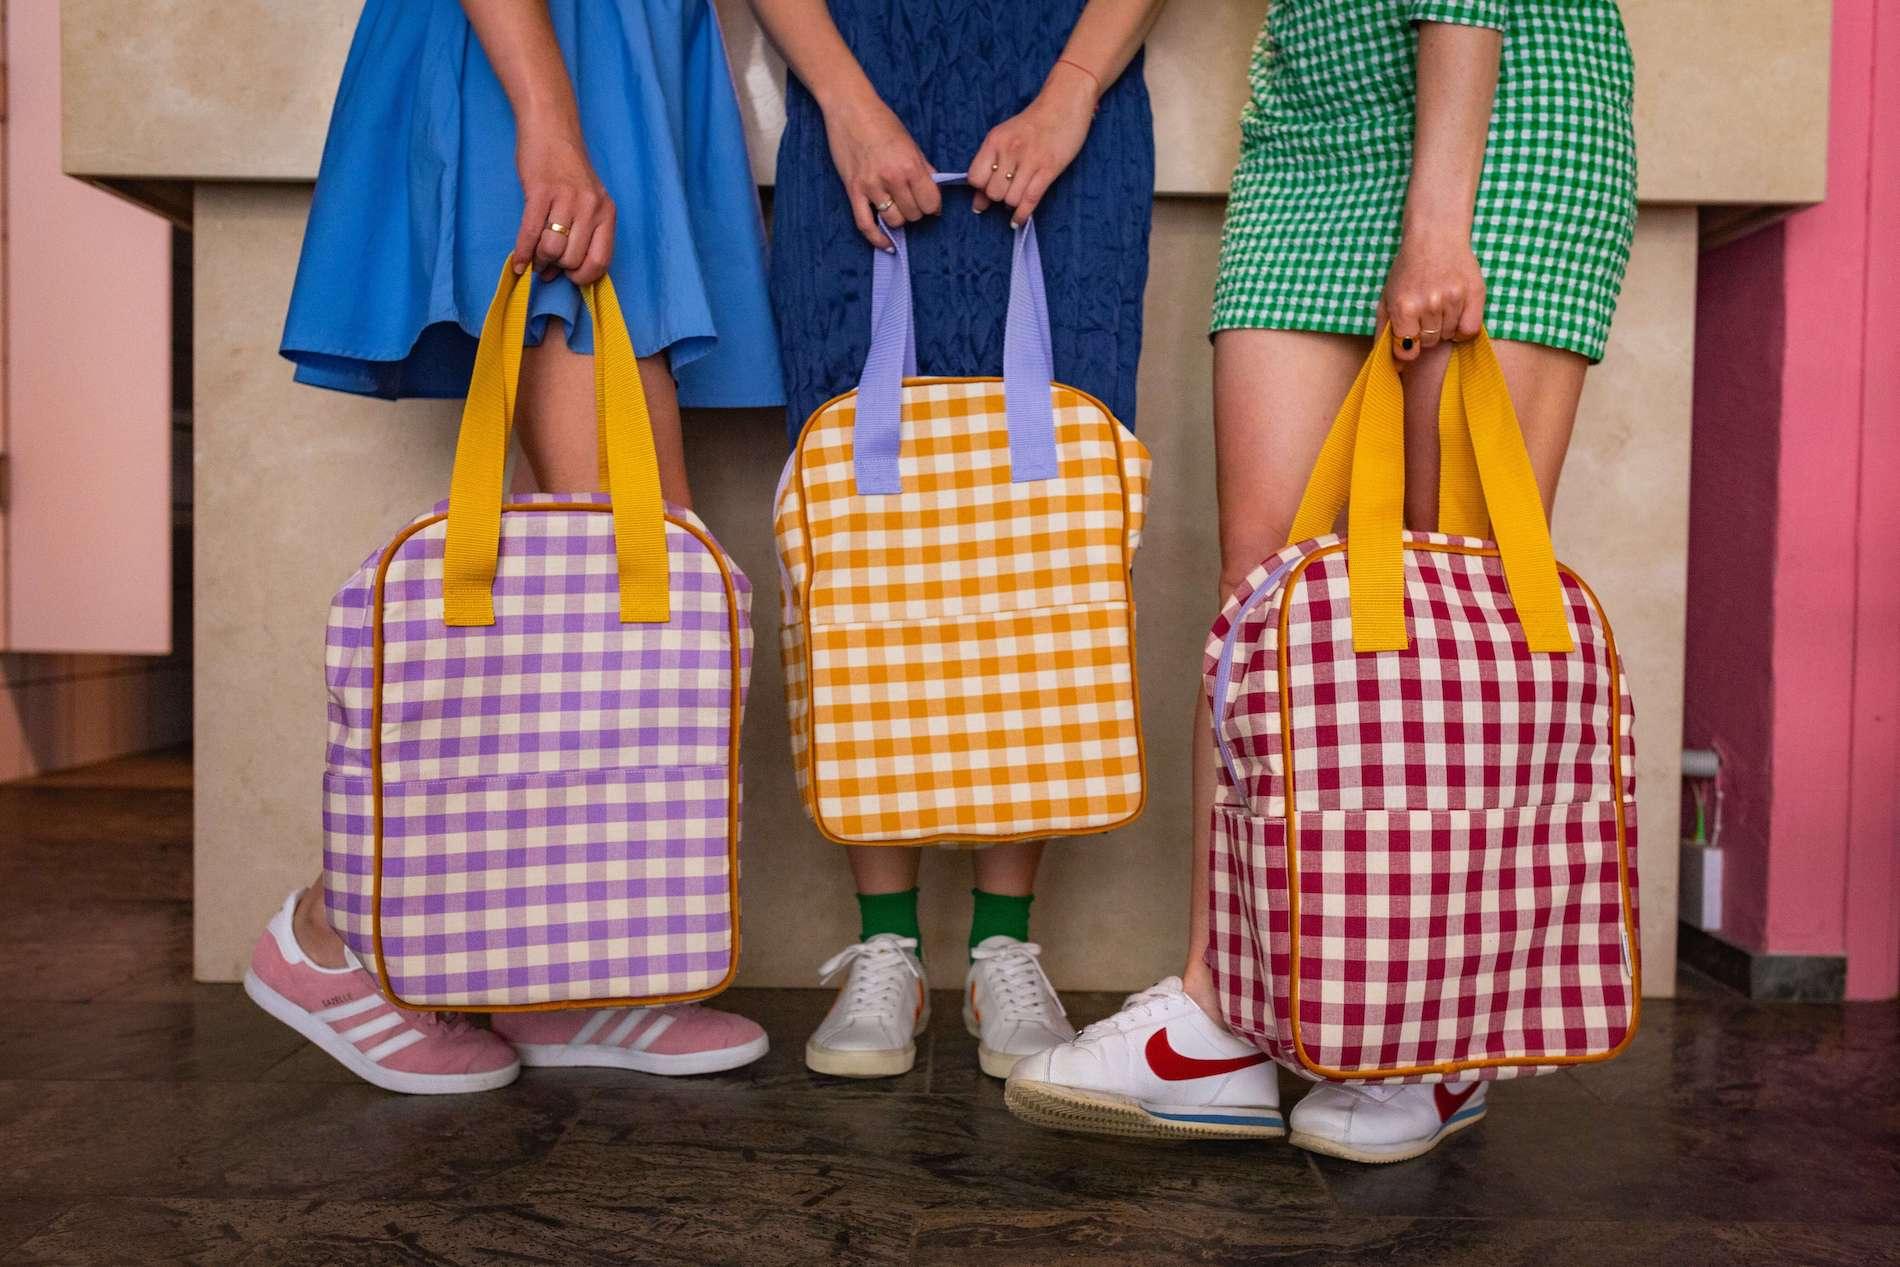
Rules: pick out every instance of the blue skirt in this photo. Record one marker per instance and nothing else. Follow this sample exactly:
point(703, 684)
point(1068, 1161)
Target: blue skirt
point(952, 70)
point(418, 203)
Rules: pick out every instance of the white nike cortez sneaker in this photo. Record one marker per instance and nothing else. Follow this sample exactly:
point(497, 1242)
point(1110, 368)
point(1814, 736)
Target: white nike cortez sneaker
point(1009, 1007)
point(1159, 1068)
point(1384, 1123)
point(871, 1030)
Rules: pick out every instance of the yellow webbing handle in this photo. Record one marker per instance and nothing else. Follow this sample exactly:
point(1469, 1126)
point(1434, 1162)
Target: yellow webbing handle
point(633, 468)
point(1361, 468)
point(1376, 511)
point(628, 465)
point(1326, 491)
point(1461, 511)
point(1485, 481)
point(1510, 492)
point(481, 452)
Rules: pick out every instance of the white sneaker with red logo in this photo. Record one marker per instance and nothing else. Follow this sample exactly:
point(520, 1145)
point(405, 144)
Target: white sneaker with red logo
point(1159, 1068)
point(1009, 1007)
point(343, 1013)
point(871, 1030)
point(1384, 1123)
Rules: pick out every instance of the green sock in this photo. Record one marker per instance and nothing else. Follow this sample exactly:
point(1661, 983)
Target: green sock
point(889, 913)
point(997, 914)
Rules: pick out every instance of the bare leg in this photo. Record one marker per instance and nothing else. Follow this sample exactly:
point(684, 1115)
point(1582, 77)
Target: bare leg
point(311, 924)
point(1545, 384)
point(1275, 393)
point(555, 420)
point(882, 868)
point(1008, 870)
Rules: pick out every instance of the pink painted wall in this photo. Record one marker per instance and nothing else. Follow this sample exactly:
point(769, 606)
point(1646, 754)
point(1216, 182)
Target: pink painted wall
point(85, 413)
point(1873, 821)
point(88, 385)
point(1733, 495)
point(1816, 589)
point(1794, 645)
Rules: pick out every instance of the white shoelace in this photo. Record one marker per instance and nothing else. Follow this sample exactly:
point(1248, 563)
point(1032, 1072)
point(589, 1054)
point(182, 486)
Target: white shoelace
point(1134, 1008)
point(1016, 978)
point(882, 973)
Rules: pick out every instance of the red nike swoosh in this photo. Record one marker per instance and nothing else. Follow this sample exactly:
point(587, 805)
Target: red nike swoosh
point(1449, 1102)
point(1171, 1066)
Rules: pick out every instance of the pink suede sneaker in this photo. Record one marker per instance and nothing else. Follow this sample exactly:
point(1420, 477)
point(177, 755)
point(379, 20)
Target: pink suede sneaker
point(342, 1012)
point(680, 1038)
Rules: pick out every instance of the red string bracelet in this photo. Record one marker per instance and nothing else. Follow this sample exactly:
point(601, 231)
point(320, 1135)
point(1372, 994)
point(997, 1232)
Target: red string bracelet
point(1093, 77)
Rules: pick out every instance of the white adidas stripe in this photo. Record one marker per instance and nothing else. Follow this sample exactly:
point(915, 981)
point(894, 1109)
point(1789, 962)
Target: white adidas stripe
point(626, 1027)
point(390, 1046)
point(593, 1026)
point(653, 1031)
point(373, 1027)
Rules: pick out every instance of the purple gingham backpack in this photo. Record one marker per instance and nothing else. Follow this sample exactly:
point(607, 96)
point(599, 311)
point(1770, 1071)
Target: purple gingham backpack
point(1423, 861)
point(531, 797)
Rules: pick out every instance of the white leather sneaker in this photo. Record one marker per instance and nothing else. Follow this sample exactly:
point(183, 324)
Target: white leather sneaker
point(871, 1030)
point(1384, 1123)
point(1160, 1067)
point(1009, 1007)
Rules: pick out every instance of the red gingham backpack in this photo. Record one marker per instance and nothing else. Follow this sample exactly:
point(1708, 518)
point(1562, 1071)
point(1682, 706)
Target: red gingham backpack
point(1424, 838)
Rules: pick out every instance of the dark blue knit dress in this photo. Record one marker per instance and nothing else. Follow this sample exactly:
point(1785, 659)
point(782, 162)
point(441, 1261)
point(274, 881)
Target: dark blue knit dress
point(952, 70)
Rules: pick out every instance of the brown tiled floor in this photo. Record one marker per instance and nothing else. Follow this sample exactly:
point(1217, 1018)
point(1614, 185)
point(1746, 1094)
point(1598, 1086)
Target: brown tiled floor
point(147, 1119)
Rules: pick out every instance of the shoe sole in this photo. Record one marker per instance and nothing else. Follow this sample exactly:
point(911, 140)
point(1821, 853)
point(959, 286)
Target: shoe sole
point(678, 1065)
point(346, 1054)
point(841, 1062)
point(1386, 1156)
point(997, 1064)
point(1101, 1113)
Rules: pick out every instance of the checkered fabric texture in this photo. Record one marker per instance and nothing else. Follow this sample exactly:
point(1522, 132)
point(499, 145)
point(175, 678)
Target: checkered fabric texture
point(1453, 820)
point(959, 657)
point(1326, 155)
point(556, 788)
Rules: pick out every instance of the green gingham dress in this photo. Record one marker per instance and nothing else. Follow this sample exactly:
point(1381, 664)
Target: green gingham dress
point(1326, 153)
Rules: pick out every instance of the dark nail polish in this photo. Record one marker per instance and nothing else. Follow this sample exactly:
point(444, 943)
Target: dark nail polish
point(1406, 344)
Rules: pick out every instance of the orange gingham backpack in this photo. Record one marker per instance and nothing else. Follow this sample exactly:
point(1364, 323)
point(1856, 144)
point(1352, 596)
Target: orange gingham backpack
point(1424, 838)
point(959, 622)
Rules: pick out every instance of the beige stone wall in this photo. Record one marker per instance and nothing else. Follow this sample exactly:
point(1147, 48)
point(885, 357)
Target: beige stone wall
point(1731, 95)
point(295, 486)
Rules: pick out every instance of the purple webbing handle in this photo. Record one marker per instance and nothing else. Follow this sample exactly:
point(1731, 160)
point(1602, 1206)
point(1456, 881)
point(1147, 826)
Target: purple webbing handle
point(1028, 365)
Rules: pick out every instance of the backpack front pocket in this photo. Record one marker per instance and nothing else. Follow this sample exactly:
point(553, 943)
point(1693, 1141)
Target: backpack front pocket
point(594, 886)
point(1426, 942)
point(975, 725)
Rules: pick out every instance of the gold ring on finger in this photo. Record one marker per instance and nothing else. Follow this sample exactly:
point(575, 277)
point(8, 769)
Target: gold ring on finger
point(1430, 334)
point(555, 226)
point(1009, 175)
point(884, 206)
